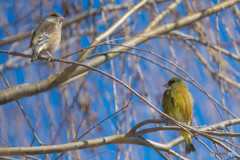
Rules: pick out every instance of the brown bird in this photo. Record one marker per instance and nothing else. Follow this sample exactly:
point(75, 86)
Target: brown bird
point(47, 36)
point(178, 103)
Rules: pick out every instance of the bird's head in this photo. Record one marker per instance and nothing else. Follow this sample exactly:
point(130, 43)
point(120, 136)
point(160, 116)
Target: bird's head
point(54, 17)
point(175, 82)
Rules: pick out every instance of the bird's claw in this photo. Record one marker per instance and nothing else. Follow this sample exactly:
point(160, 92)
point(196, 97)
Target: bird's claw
point(50, 59)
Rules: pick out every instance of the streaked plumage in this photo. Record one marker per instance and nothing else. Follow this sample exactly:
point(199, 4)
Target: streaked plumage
point(178, 103)
point(47, 36)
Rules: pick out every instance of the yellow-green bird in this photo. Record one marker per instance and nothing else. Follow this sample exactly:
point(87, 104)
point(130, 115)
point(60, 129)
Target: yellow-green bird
point(178, 103)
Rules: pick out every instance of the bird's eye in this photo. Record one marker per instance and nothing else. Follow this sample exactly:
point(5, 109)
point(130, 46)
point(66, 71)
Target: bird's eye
point(54, 15)
point(170, 83)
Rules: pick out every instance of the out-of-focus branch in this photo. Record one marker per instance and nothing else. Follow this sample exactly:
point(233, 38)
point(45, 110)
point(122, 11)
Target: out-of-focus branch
point(163, 14)
point(68, 71)
point(72, 20)
point(66, 23)
point(210, 69)
point(154, 32)
point(24, 114)
point(215, 47)
point(14, 38)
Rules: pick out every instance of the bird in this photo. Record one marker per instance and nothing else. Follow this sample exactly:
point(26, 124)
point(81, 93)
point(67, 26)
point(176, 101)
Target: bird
point(177, 103)
point(47, 36)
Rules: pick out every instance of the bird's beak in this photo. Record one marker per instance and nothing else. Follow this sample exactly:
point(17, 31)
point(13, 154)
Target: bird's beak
point(62, 18)
point(166, 85)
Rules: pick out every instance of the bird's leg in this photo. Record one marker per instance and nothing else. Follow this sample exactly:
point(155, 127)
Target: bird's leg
point(50, 57)
point(165, 119)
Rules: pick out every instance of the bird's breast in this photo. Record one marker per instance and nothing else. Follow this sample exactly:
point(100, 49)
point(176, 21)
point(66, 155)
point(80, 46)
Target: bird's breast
point(177, 103)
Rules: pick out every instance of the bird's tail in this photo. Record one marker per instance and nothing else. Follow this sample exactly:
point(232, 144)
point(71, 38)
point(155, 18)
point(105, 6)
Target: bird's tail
point(189, 147)
point(34, 56)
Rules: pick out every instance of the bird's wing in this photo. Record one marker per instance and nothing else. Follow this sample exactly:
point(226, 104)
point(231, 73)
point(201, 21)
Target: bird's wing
point(33, 39)
point(185, 100)
point(43, 38)
point(40, 36)
point(39, 39)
